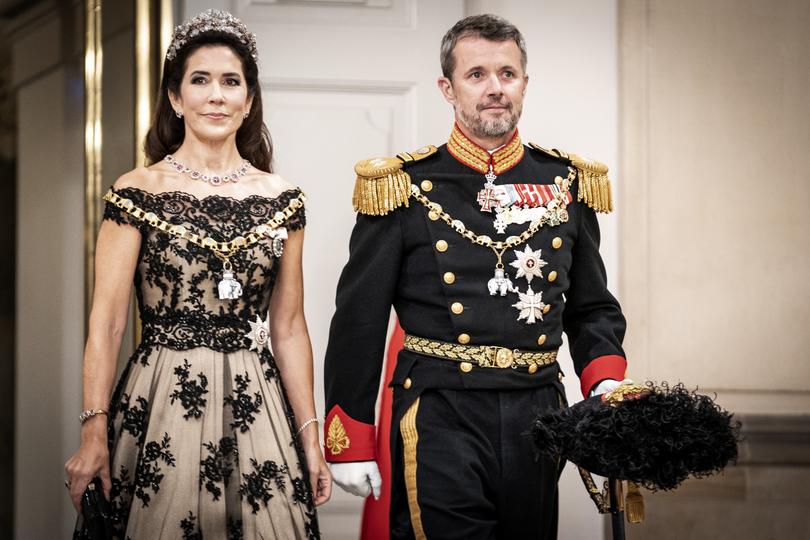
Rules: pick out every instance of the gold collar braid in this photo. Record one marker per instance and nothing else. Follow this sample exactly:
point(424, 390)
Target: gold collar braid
point(475, 157)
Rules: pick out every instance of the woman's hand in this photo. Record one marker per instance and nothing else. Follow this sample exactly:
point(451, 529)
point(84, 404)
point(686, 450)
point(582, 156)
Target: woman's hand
point(90, 460)
point(320, 479)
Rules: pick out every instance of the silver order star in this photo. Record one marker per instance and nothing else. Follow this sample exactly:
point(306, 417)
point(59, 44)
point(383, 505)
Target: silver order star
point(259, 332)
point(528, 263)
point(530, 305)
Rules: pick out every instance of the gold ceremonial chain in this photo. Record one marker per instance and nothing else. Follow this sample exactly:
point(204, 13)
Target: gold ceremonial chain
point(554, 216)
point(223, 250)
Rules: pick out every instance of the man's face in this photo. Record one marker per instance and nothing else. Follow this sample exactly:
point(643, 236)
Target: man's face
point(487, 86)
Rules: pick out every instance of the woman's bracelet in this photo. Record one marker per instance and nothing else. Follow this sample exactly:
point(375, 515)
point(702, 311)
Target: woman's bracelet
point(304, 425)
point(90, 413)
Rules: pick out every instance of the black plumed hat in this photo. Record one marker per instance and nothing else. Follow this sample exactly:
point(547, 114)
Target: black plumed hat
point(653, 435)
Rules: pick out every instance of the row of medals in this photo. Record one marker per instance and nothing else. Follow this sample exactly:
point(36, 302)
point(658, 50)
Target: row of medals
point(528, 263)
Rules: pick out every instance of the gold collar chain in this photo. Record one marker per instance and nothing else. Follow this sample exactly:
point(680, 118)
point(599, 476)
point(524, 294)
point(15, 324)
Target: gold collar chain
point(223, 250)
point(556, 215)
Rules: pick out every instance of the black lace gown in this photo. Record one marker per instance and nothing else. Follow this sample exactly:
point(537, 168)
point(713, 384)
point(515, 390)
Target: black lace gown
point(200, 429)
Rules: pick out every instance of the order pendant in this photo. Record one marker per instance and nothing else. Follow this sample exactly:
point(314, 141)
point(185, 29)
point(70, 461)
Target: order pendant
point(500, 284)
point(229, 287)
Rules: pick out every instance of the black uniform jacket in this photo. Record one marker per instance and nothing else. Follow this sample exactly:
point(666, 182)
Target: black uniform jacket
point(426, 271)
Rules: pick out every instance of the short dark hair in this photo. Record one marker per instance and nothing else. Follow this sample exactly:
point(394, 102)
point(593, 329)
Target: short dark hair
point(487, 26)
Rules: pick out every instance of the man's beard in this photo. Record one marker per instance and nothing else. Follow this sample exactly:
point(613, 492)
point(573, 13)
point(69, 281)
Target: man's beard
point(493, 127)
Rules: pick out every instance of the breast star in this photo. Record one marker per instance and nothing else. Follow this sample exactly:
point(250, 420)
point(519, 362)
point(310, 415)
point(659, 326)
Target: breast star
point(259, 332)
point(528, 263)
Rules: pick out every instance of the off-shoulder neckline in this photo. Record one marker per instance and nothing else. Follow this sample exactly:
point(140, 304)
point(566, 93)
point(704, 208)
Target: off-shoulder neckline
point(253, 197)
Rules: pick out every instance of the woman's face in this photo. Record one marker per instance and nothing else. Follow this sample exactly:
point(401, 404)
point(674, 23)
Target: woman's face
point(213, 93)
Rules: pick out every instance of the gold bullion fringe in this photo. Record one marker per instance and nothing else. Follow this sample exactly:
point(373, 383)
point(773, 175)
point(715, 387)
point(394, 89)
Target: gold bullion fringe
point(634, 503)
point(407, 428)
point(379, 196)
point(594, 184)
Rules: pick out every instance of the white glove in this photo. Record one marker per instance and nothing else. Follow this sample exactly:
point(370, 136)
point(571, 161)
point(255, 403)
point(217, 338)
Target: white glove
point(608, 385)
point(359, 478)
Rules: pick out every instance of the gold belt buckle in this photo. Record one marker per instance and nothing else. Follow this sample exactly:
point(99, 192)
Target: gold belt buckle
point(503, 358)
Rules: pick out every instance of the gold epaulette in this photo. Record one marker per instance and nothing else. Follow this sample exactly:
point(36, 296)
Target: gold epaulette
point(382, 185)
point(594, 184)
point(417, 155)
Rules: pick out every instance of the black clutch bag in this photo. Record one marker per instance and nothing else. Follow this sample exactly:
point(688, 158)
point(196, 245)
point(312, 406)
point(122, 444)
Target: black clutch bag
point(96, 522)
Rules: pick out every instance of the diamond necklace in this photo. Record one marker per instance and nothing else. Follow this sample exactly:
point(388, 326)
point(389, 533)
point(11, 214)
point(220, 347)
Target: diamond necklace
point(214, 180)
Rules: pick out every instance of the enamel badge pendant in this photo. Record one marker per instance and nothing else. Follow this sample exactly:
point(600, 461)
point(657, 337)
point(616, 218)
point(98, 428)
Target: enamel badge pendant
point(500, 284)
point(259, 332)
point(229, 288)
point(487, 197)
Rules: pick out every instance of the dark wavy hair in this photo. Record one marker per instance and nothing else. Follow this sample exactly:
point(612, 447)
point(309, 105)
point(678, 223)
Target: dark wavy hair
point(167, 131)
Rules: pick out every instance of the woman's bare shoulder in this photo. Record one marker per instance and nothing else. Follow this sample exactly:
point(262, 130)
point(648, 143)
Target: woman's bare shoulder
point(273, 185)
point(144, 178)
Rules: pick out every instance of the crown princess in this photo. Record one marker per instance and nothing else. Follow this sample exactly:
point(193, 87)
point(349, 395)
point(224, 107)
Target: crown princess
point(212, 20)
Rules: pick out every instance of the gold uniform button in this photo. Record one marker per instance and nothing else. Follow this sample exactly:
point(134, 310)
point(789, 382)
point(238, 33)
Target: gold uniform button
point(407, 383)
point(533, 368)
point(541, 339)
point(466, 367)
point(457, 308)
point(552, 276)
point(426, 185)
point(464, 338)
point(433, 215)
point(547, 308)
point(556, 243)
point(441, 246)
point(449, 278)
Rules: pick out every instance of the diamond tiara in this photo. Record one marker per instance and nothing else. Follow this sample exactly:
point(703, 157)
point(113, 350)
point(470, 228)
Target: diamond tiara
point(212, 20)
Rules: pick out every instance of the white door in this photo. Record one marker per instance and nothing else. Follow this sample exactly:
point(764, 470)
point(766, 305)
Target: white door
point(343, 80)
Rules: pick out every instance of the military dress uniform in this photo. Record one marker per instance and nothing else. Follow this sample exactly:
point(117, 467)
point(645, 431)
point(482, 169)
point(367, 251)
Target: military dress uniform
point(487, 258)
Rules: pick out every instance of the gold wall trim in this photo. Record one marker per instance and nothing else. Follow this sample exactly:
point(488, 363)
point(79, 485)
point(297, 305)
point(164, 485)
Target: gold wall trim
point(92, 140)
point(166, 30)
point(410, 436)
point(143, 75)
point(154, 24)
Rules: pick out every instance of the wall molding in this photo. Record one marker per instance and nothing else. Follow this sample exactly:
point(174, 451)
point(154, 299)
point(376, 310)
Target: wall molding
point(774, 439)
point(349, 86)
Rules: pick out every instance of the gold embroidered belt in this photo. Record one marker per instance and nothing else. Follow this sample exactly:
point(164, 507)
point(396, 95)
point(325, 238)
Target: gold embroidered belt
point(482, 355)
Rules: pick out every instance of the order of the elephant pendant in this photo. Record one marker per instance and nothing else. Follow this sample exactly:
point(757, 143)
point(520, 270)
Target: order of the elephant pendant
point(500, 284)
